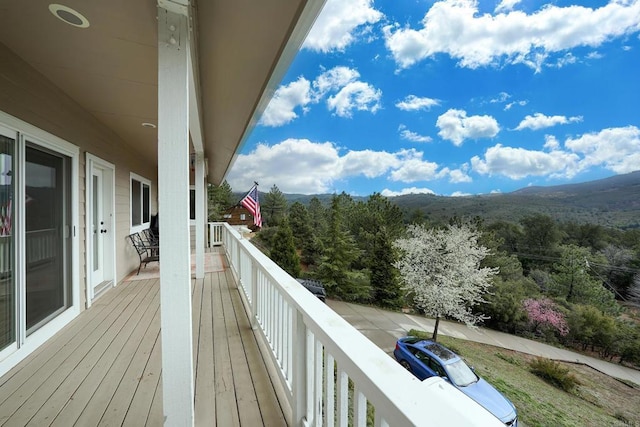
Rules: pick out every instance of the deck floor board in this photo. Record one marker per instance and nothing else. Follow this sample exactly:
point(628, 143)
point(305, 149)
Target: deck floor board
point(104, 368)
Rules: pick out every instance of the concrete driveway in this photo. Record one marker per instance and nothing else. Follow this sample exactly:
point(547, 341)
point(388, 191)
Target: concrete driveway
point(385, 327)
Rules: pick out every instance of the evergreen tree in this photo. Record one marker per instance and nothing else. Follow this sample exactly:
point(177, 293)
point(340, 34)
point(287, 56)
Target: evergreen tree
point(304, 235)
point(572, 281)
point(385, 286)
point(219, 199)
point(335, 269)
point(283, 250)
point(541, 237)
point(318, 217)
point(274, 207)
point(299, 221)
point(375, 224)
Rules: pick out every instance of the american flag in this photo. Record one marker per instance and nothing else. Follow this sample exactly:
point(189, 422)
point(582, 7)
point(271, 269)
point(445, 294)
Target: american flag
point(251, 203)
point(5, 219)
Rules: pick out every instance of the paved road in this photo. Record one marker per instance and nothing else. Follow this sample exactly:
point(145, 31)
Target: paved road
point(385, 327)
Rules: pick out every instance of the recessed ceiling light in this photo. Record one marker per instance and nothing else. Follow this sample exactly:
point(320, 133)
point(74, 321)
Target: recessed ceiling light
point(149, 125)
point(69, 15)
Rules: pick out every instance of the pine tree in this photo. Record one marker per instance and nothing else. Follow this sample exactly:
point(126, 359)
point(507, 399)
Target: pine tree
point(273, 207)
point(283, 250)
point(335, 269)
point(219, 199)
point(304, 235)
point(572, 280)
point(385, 286)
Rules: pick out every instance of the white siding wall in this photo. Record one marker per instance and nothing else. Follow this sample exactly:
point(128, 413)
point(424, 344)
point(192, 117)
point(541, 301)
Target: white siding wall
point(29, 96)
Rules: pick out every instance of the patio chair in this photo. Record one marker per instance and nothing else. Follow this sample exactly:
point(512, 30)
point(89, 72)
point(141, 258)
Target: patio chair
point(146, 251)
point(150, 237)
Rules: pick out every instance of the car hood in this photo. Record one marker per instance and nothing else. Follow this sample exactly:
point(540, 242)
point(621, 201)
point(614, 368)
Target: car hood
point(491, 399)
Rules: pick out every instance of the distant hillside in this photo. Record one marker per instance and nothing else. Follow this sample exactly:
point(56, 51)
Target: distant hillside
point(610, 202)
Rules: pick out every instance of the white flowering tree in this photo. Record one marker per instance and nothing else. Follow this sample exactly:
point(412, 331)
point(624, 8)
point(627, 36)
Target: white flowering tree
point(440, 269)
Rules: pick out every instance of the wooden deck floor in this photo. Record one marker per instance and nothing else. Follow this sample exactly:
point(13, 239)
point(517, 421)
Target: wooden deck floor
point(104, 368)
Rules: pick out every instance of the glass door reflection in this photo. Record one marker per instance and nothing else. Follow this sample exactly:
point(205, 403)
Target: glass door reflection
point(7, 244)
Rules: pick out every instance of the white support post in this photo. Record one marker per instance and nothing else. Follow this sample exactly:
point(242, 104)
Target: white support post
point(173, 202)
point(200, 215)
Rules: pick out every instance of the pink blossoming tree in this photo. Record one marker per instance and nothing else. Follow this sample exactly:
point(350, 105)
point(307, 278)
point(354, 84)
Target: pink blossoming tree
point(544, 312)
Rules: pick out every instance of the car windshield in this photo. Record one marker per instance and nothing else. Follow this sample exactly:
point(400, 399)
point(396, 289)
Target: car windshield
point(460, 374)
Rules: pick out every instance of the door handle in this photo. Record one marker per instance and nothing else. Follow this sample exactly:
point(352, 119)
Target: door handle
point(103, 231)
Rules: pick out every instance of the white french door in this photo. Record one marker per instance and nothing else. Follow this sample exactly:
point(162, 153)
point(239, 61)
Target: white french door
point(100, 226)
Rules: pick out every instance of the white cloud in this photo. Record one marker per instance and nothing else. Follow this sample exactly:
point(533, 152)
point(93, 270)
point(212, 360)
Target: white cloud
point(459, 194)
point(540, 121)
point(518, 163)
point(294, 165)
point(369, 163)
point(414, 169)
point(502, 97)
point(506, 5)
point(359, 96)
point(333, 80)
point(303, 166)
point(517, 103)
point(281, 109)
point(414, 103)
point(412, 136)
point(616, 149)
point(412, 190)
point(551, 143)
point(455, 126)
point(457, 176)
point(340, 23)
point(457, 28)
point(348, 94)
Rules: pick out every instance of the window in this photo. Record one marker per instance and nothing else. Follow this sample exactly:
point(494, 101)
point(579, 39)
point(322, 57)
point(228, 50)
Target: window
point(140, 202)
point(243, 217)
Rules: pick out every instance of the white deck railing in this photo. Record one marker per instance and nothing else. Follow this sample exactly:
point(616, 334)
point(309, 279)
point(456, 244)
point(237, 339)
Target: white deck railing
point(329, 372)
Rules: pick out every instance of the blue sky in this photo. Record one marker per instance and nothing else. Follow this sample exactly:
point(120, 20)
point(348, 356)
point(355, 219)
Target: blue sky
point(452, 97)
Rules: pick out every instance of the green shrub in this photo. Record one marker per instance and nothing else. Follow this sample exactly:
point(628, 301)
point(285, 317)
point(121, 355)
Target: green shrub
point(420, 334)
point(554, 373)
point(508, 359)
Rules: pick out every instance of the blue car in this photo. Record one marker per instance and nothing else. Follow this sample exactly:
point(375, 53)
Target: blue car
point(425, 358)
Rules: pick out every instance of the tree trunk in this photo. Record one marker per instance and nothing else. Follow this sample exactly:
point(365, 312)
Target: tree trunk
point(435, 329)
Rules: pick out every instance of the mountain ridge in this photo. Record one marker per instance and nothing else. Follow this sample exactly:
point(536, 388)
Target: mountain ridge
point(611, 202)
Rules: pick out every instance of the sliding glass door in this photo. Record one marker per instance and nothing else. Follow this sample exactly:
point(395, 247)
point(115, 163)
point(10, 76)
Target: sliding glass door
point(47, 221)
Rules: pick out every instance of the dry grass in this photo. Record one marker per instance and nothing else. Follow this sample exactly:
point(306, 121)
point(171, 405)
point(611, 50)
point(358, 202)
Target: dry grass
point(598, 400)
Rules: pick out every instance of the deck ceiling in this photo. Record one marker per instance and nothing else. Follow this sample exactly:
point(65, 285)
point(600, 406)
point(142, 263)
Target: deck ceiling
point(110, 68)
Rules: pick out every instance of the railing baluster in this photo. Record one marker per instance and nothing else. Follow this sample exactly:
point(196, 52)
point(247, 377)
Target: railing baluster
point(359, 408)
point(319, 356)
point(330, 387)
point(318, 377)
point(343, 398)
